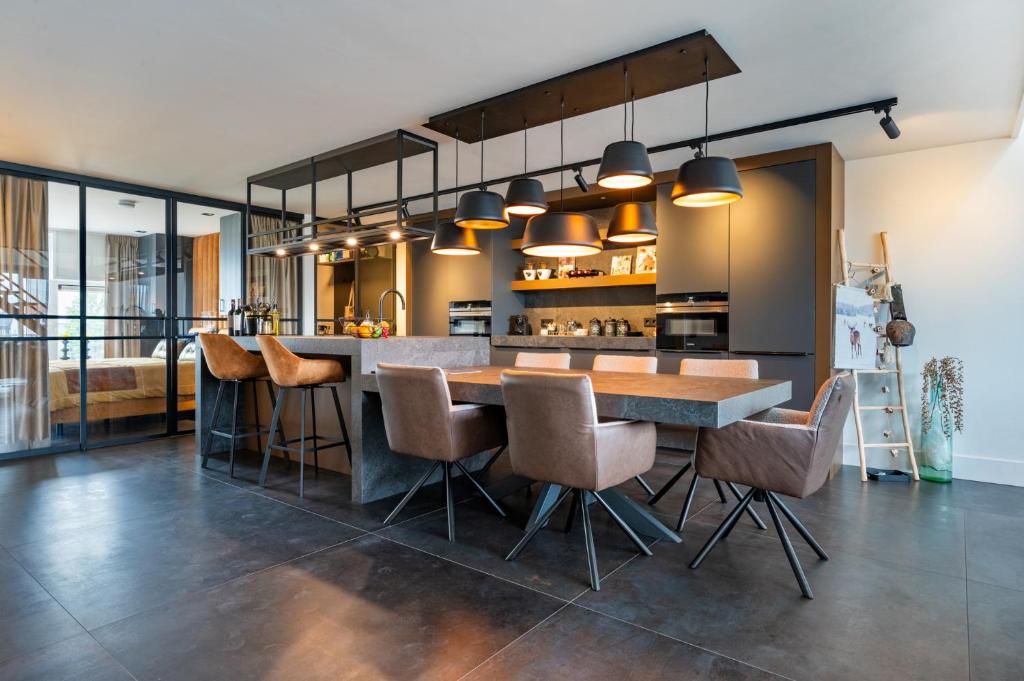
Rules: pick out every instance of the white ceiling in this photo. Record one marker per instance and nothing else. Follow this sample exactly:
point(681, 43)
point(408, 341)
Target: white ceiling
point(198, 94)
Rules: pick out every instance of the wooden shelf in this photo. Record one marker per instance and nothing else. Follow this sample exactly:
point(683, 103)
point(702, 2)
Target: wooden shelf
point(646, 279)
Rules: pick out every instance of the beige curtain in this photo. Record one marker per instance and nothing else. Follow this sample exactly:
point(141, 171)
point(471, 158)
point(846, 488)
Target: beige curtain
point(273, 278)
point(123, 296)
point(24, 269)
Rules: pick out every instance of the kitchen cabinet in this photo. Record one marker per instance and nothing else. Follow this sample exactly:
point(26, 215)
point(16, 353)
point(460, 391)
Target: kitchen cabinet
point(439, 279)
point(798, 369)
point(693, 247)
point(772, 261)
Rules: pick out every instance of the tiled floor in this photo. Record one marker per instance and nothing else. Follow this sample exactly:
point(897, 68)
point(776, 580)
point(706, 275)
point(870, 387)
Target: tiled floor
point(133, 563)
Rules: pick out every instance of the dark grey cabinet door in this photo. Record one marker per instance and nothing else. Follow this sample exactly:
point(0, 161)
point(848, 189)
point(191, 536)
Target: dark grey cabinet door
point(771, 260)
point(798, 369)
point(693, 247)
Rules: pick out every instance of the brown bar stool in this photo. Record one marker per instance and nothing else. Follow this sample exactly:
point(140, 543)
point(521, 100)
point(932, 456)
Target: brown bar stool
point(230, 363)
point(420, 420)
point(684, 438)
point(555, 436)
point(292, 372)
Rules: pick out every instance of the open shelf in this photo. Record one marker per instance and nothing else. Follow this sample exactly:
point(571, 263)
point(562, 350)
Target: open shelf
point(646, 279)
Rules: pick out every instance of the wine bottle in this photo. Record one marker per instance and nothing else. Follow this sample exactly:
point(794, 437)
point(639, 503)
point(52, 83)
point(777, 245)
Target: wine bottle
point(231, 318)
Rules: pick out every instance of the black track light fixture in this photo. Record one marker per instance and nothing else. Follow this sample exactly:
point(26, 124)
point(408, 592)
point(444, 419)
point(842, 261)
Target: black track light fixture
point(706, 181)
point(481, 209)
point(889, 125)
point(581, 182)
point(525, 195)
point(449, 239)
point(625, 164)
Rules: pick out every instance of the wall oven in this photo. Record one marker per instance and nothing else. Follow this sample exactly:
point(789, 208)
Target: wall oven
point(693, 322)
point(469, 318)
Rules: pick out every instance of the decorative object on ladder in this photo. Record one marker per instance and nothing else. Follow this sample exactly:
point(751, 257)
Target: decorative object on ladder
point(942, 414)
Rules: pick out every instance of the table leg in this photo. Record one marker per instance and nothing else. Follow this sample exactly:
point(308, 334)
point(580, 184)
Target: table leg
point(637, 517)
point(548, 495)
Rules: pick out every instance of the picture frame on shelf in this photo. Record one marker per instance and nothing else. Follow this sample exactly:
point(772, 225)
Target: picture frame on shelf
point(565, 266)
point(646, 259)
point(622, 264)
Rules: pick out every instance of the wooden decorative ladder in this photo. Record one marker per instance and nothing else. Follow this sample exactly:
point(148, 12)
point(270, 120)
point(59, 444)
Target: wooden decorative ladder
point(877, 271)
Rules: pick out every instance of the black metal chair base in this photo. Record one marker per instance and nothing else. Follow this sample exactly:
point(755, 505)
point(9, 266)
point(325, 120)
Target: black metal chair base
point(691, 492)
point(775, 505)
point(247, 430)
point(580, 501)
point(315, 447)
point(448, 492)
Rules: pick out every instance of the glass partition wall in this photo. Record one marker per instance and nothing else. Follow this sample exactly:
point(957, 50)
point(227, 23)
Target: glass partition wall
point(103, 286)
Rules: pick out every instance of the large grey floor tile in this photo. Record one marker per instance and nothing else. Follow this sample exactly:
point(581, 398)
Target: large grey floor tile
point(371, 609)
point(995, 549)
point(867, 621)
point(29, 617)
point(579, 643)
point(122, 567)
point(78, 658)
point(996, 618)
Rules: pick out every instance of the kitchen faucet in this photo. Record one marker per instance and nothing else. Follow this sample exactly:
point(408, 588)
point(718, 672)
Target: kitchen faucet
point(380, 301)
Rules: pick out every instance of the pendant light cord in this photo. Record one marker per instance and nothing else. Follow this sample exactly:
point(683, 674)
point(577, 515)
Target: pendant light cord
point(481, 149)
point(625, 97)
point(707, 98)
point(524, 145)
point(456, 166)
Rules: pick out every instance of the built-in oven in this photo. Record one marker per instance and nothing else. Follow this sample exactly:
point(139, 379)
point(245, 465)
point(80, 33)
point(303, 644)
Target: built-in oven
point(469, 318)
point(693, 322)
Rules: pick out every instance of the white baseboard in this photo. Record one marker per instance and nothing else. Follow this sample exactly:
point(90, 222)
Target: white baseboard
point(981, 469)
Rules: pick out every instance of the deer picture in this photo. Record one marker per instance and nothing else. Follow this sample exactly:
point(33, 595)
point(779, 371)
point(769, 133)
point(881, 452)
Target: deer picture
point(855, 348)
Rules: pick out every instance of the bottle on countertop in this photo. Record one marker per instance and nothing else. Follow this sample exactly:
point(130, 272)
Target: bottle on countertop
point(249, 313)
point(275, 320)
point(231, 318)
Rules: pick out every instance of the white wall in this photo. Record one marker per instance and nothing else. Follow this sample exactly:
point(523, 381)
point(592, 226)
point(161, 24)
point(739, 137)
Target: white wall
point(955, 218)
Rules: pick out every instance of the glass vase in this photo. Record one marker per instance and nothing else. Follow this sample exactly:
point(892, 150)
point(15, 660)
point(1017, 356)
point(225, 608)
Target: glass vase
point(936, 452)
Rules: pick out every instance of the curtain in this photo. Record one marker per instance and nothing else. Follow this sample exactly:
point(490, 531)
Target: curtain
point(273, 278)
point(122, 287)
point(24, 270)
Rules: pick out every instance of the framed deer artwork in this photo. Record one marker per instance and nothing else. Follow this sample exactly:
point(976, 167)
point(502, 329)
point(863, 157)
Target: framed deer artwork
point(856, 343)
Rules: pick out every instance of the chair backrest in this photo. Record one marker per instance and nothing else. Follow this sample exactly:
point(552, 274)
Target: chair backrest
point(227, 360)
point(827, 417)
point(722, 368)
point(551, 420)
point(417, 409)
point(282, 363)
point(626, 363)
point(542, 360)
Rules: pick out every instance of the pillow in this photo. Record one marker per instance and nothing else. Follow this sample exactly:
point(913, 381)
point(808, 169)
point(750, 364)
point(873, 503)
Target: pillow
point(188, 352)
point(160, 351)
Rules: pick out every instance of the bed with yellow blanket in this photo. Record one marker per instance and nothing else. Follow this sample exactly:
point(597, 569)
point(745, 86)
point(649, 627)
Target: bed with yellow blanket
point(117, 388)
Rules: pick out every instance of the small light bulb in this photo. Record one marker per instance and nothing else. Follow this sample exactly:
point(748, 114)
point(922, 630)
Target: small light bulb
point(395, 235)
point(280, 251)
point(351, 241)
point(314, 247)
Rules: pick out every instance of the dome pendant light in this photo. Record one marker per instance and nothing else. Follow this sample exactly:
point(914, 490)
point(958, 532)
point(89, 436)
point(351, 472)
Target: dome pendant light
point(525, 195)
point(481, 209)
point(561, 234)
point(633, 221)
point(706, 181)
point(625, 164)
point(449, 239)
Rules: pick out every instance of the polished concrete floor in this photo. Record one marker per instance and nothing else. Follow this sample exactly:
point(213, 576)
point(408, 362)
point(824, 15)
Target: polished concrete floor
point(133, 563)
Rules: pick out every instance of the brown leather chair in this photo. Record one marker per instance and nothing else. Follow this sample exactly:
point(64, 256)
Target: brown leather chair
point(630, 364)
point(420, 420)
point(780, 451)
point(542, 360)
point(294, 373)
point(556, 437)
point(230, 363)
point(684, 438)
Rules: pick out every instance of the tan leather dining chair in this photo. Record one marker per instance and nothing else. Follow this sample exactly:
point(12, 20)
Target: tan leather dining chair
point(630, 364)
point(542, 360)
point(555, 437)
point(420, 420)
point(780, 451)
point(684, 438)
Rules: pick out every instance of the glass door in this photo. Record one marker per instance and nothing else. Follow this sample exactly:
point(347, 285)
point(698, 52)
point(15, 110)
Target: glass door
point(129, 347)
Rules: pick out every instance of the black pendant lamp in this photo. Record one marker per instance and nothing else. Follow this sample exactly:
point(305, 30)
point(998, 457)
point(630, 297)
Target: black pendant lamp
point(561, 234)
point(449, 239)
point(481, 209)
point(633, 221)
point(706, 181)
point(525, 195)
point(625, 164)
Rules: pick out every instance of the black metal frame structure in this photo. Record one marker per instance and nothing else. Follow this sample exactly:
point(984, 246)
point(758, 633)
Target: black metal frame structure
point(171, 321)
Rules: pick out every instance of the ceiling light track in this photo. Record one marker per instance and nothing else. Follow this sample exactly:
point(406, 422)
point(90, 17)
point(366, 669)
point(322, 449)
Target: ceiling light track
point(692, 143)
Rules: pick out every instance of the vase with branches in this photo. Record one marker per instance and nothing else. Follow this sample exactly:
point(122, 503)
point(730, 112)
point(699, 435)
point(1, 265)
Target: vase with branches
point(942, 415)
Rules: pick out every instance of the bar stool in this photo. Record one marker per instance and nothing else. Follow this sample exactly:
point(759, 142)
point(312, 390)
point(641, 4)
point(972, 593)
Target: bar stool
point(542, 360)
point(230, 363)
point(684, 438)
point(555, 437)
point(420, 420)
point(291, 373)
point(633, 365)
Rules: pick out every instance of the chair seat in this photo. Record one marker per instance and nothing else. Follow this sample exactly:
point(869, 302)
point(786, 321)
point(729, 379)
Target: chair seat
point(475, 428)
point(673, 436)
point(228, 361)
point(314, 372)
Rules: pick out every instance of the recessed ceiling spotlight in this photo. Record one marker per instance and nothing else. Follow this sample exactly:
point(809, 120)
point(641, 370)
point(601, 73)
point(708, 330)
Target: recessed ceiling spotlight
point(314, 247)
point(140, 231)
point(127, 203)
point(395, 235)
point(280, 252)
point(209, 215)
point(351, 241)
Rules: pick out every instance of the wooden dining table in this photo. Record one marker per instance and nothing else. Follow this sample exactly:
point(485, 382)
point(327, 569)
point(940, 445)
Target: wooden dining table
point(702, 401)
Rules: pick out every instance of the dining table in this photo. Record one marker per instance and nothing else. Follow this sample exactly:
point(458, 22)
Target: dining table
point(700, 401)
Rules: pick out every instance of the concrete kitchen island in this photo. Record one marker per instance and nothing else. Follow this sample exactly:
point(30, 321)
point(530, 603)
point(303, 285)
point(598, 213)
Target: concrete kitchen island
point(376, 471)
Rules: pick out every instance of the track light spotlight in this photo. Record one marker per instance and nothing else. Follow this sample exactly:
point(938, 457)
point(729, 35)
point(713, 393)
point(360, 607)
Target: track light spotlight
point(581, 182)
point(889, 125)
